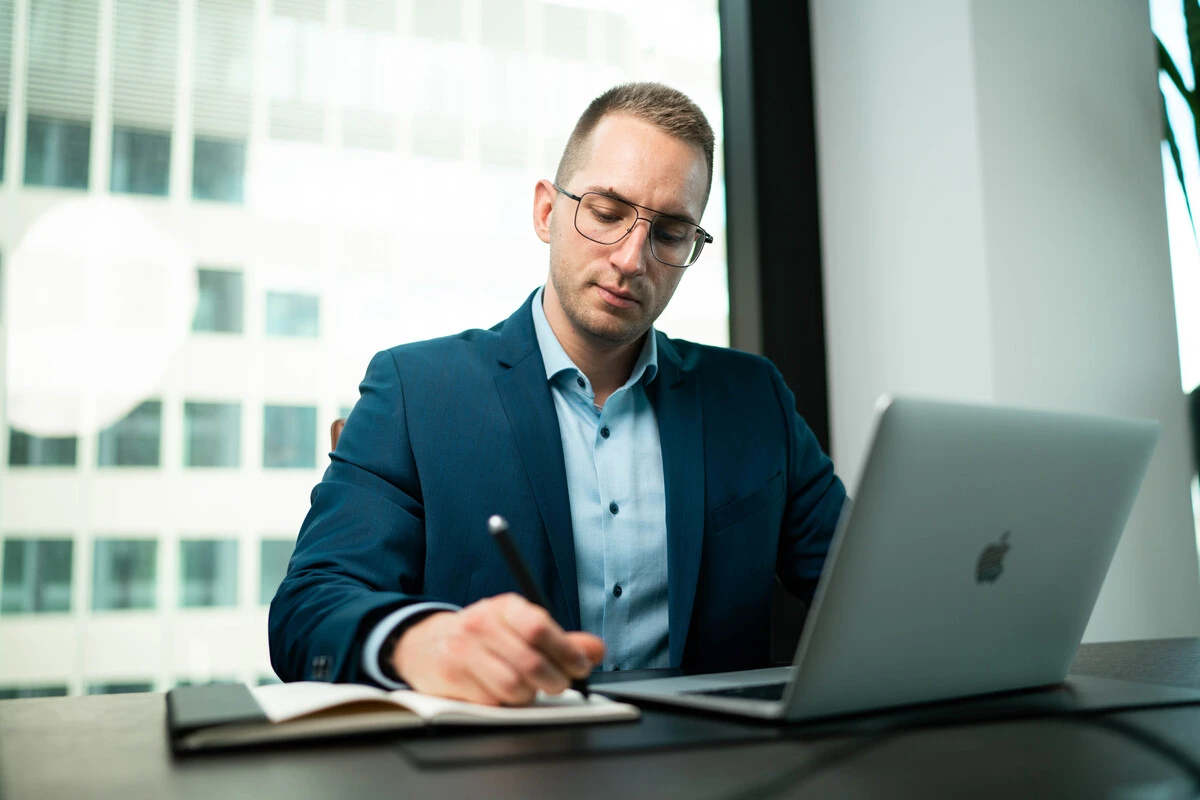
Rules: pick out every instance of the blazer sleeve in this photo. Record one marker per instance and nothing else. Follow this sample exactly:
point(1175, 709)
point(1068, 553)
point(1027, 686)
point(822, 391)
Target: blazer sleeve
point(361, 550)
point(815, 496)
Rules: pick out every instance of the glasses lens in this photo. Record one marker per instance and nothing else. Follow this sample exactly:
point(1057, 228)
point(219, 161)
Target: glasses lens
point(675, 242)
point(604, 219)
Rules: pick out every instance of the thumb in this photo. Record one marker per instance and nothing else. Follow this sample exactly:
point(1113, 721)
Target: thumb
point(592, 646)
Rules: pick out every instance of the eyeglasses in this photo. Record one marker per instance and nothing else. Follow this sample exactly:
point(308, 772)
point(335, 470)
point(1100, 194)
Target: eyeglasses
point(607, 220)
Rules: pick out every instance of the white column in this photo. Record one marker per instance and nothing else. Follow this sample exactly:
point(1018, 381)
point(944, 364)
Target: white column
point(994, 229)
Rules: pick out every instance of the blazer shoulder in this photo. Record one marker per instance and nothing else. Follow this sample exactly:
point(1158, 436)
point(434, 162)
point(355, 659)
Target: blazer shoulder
point(474, 344)
point(710, 361)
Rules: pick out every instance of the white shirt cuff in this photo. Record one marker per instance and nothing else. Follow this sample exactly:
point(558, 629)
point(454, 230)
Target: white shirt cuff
point(370, 651)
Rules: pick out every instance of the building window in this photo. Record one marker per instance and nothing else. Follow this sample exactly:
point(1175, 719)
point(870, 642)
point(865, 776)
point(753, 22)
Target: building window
point(439, 19)
point(134, 441)
point(57, 153)
point(40, 451)
point(120, 688)
point(218, 169)
point(125, 574)
point(208, 573)
point(292, 314)
point(141, 161)
point(212, 434)
point(219, 301)
point(205, 681)
point(289, 436)
point(20, 692)
point(273, 564)
point(37, 576)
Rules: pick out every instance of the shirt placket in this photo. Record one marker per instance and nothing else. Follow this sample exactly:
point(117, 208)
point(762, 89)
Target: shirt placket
point(613, 493)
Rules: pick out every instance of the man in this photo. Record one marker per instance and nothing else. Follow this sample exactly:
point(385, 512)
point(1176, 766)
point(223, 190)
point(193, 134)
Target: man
point(655, 486)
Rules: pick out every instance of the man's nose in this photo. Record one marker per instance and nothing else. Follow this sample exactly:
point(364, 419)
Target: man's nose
point(630, 254)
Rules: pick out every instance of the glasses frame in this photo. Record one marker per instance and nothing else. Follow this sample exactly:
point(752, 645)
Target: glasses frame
point(578, 198)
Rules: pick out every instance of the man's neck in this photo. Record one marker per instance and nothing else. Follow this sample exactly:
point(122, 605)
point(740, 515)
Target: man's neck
point(606, 366)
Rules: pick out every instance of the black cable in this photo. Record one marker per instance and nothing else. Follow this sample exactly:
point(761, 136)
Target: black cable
point(791, 778)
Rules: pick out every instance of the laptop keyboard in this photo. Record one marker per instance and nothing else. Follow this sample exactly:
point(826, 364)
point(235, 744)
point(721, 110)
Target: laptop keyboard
point(763, 691)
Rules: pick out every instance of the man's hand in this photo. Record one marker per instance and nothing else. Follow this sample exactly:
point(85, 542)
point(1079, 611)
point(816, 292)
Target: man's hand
point(498, 651)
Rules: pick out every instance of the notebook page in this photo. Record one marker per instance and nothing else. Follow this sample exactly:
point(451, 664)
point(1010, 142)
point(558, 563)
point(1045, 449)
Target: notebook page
point(285, 701)
point(569, 706)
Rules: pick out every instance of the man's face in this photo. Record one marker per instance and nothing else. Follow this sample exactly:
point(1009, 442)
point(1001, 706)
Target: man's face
point(612, 294)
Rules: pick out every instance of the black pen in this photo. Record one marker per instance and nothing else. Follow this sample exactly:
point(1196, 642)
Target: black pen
point(498, 528)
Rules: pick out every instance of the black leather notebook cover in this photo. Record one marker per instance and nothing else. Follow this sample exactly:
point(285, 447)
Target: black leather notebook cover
point(193, 708)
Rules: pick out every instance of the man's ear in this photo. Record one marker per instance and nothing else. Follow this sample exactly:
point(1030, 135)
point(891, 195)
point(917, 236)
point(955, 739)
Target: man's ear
point(544, 195)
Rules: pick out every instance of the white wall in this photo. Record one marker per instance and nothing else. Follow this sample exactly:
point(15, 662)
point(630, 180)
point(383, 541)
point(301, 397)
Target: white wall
point(994, 229)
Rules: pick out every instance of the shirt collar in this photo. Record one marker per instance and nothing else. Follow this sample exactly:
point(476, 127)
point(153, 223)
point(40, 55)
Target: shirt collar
point(557, 361)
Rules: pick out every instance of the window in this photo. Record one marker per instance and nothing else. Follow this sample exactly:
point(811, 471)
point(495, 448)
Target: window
point(219, 302)
point(212, 434)
point(439, 19)
point(3, 141)
point(292, 314)
point(120, 688)
point(125, 574)
point(38, 451)
point(273, 564)
point(290, 436)
point(205, 681)
point(141, 161)
point(134, 441)
point(503, 24)
point(19, 692)
point(218, 169)
point(37, 576)
point(566, 32)
point(57, 153)
point(208, 573)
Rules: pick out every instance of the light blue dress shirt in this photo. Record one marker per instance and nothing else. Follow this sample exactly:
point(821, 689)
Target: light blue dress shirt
point(614, 470)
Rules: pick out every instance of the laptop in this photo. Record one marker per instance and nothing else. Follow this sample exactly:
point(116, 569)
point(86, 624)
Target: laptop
point(968, 564)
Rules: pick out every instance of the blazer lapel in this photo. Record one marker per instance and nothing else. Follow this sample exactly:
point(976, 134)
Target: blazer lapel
point(676, 398)
point(525, 395)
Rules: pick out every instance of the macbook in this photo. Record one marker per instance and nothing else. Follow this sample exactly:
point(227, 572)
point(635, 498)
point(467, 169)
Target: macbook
point(968, 564)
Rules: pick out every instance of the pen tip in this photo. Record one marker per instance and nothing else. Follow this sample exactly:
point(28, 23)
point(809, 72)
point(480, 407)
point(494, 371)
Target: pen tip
point(496, 524)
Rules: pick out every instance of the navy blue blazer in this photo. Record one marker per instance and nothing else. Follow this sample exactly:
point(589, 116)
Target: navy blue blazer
point(449, 431)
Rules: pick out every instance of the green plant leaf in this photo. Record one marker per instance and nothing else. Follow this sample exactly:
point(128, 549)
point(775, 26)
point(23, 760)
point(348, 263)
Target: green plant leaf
point(1167, 65)
point(1169, 136)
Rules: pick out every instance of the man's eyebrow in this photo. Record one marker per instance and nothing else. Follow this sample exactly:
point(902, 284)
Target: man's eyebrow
point(611, 192)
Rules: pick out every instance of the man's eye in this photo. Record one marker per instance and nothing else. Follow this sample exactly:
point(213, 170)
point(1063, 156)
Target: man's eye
point(605, 216)
point(669, 234)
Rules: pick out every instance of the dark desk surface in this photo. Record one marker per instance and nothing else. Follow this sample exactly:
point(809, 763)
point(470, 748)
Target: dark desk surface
point(114, 746)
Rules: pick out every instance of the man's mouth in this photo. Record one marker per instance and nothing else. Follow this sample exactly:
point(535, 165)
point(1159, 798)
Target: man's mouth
point(617, 298)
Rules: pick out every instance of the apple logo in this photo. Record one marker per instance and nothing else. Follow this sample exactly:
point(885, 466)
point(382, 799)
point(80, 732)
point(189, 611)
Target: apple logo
point(991, 561)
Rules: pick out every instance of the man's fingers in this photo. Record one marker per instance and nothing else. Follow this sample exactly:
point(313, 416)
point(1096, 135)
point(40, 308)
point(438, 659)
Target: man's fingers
point(592, 646)
point(532, 664)
point(534, 625)
point(501, 679)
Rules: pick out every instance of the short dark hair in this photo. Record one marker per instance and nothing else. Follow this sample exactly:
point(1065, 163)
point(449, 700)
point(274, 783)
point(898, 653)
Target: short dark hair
point(669, 110)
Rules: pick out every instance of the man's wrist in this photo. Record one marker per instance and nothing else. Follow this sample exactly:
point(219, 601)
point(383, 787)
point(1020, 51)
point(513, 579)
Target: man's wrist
point(388, 661)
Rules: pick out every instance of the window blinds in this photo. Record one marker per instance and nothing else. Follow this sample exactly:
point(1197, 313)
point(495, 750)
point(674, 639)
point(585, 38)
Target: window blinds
point(145, 48)
point(223, 68)
point(61, 82)
point(6, 35)
point(299, 70)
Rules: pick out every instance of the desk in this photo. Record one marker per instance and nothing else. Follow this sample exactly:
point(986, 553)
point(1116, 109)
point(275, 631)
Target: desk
point(114, 746)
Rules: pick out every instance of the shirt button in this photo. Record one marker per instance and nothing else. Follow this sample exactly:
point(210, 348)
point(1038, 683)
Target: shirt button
point(612, 507)
point(617, 590)
point(580, 382)
point(604, 432)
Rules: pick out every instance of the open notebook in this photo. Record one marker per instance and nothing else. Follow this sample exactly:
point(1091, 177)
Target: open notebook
point(233, 715)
